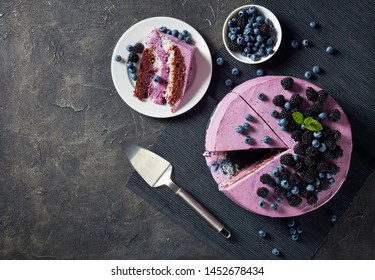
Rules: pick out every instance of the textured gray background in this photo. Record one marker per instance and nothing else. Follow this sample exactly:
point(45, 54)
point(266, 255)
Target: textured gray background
point(62, 126)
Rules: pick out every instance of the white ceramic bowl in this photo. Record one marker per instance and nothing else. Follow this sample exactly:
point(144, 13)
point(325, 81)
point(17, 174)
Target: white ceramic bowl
point(267, 14)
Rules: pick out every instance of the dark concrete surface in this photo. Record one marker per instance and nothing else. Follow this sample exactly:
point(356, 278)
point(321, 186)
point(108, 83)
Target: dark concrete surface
point(62, 126)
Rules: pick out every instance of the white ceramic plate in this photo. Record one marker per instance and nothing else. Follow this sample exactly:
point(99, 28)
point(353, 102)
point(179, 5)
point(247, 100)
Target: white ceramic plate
point(200, 77)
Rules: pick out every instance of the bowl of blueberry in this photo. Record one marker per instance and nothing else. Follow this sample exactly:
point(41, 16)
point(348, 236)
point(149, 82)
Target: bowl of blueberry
point(252, 34)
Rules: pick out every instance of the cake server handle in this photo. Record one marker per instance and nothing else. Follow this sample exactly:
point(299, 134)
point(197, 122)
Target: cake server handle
point(199, 209)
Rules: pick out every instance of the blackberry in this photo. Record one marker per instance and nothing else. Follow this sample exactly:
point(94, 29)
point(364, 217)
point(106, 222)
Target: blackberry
point(312, 199)
point(317, 107)
point(262, 192)
point(287, 160)
point(334, 115)
point(338, 152)
point(312, 171)
point(300, 149)
point(328, 155)
point(296, 100)
point(321, 166)
point(284, 175)
point(279, 100)
point(233, 46)
point(307, 137)
point(300, 167)
point(294, 179)
point(296, 135)
point(265, 29)
point(303, 192)
point(331, 144)
point(296, 109)
point(287, 83)
point(327, 133)
point(309, 161)
point(334, 169)
point(310, 113)
point(306, 177)
point(133, 57)
point(336, 135)
point(266, 178)
point(138, 48)
point(311, 94)
point(241, 22)
point(324, 184)
point(322, 95)
point(293, 125)
point(286, 114)
point(294, 200)
point(311, 151)
point(279, 191)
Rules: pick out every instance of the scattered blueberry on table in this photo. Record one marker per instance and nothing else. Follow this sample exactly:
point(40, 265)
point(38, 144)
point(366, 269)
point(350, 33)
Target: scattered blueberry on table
point(228, 82)
point(329, 49)
point(220, 61)
point(305, 42)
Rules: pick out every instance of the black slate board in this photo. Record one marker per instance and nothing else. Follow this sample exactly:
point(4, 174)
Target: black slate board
point(182, 143)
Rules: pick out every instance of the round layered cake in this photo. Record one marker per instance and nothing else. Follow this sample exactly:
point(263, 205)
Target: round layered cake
point(278, 146)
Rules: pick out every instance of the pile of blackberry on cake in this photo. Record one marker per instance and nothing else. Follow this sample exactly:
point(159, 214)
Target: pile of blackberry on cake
point(310, 169)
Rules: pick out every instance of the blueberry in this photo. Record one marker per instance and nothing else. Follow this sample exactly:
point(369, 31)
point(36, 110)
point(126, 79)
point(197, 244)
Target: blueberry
point(260, 72)
point(331, 181)
point(277, 180)
point(175, 32)
point(295, 190)
point(283, 128)
point(163, 29)
point(287, 105)
point(129, 48)
point(333, 218)
point(260, 95)
point(261, 203)
point(260, 38)
point(133, 76)
point(252, 10)
point(328, 175)
point(253, 57)
point(294, 44)
point(269, 50)
point(329, 49)
point(240, 40)
point(246, 126)
point(317, 182)
point(310, 188)
point(315, 143)
point(313, 24)
point(283, 122)
point(185, 33)
point(266, 139)
point(273, 206)
point(169, 31)
point(180, 37)
point(279, 199)
point(240, 129)
point(260, 19)
point(316, 69)
point(289, 194)
point(247, 139)
point(235, 71)
point(305, 42)
point(293, 230)
point(256, 31)
point(317, 134)
point(294, 237)
point(220, 61)
point(118, 58)
point(129, 64)
point(273, 113)
point(290, 223)
point(308, 75)
point(280, 167)
point(299, 230)
point(188, 39)
point(248, 117)
point(295, 157)
point(275, 172)
point(303, 126)
point(275, 251)
point(322, 148)
point(322, 116)
point(156, 78)
point(228, 82)
point(321, 175)
point(262, 233)
point(284, 184)
point(132, 69)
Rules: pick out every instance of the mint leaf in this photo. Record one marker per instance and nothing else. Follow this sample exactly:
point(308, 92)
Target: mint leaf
point(312, 125)
point(297, 117)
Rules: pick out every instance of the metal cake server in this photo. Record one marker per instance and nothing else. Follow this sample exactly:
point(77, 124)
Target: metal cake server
point(157, 172)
